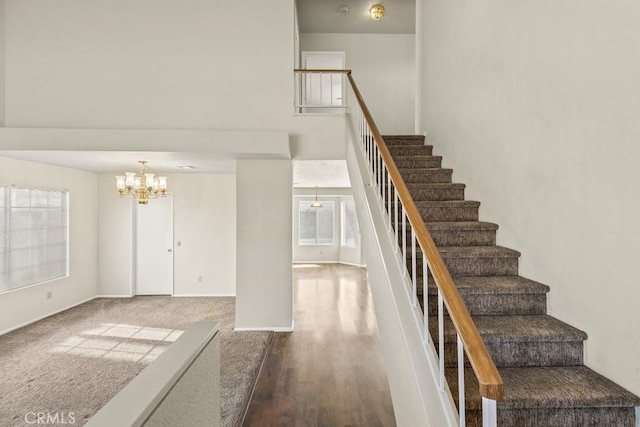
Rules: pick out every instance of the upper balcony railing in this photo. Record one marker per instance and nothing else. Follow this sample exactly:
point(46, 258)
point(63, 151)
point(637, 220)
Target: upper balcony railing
point(320, 91)
point(412, 239)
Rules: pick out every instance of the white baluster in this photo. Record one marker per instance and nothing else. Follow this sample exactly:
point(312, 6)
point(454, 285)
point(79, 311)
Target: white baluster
point(425, 296)
point(404, 241)
point(331, 76)
point(441, 338)
point(461, 402)
point(489, 413)
point(381, 166)
point(375, 167)
point(389, 205)
point(414, 267)
point(384, 187)
point(395, 210)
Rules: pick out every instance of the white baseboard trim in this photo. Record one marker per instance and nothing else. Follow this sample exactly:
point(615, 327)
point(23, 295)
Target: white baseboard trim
point(316, 262)
point(114, 296)
point(203, 295)
point(22, 325)
point(274, 329)
point(353, 264)
point(329, 262)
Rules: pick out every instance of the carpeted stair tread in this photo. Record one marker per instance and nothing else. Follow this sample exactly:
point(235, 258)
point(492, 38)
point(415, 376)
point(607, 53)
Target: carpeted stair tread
point(446, 204)
point(419, 185)
point(460, 233)
point(493, 295)
point(418, 161)
point(549, 387)
point(461, 226)
point(437, 191)
point(448, 210)
point(426, 175)
point(475, 260)
point(405, 136)
point(410, 150)
point(563, 386)
point(489, 285)
point(519, 328)
point(457, 227)
point(404, 139)
point(477, 252)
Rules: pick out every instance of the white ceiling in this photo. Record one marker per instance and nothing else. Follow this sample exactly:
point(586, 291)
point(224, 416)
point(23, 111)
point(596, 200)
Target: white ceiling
point(323, 16)
point(321, 173)
point(120, 150)
point(120, 161)
point(306, 173)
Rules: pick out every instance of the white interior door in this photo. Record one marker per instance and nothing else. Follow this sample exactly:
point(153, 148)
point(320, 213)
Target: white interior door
point(323, 90)
point(154, 247)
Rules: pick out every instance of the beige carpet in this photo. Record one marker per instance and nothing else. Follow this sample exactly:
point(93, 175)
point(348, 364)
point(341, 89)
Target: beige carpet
point(76, 361)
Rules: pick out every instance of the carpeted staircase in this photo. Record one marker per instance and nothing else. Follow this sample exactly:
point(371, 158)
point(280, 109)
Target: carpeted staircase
point(539, 357)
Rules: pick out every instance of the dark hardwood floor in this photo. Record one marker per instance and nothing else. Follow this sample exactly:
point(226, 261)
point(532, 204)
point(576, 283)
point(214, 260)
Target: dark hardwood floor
point(330, 371)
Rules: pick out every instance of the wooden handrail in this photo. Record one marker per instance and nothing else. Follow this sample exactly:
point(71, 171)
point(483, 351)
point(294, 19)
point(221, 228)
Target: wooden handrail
point(304, 70)
point(489, 379)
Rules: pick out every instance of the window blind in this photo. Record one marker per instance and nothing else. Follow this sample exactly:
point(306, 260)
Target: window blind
point(349, 225)
point(35, 235)
point(315, 224)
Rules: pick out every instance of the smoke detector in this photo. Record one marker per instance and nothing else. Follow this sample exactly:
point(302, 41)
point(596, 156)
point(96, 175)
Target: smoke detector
point(344, 10)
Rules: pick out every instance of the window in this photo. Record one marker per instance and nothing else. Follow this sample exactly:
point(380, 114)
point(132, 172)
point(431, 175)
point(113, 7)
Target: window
point(33, 236)
point(316, 224)
point(349, 226)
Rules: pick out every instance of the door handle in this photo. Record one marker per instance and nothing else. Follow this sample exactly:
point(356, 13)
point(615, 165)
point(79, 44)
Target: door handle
point(169, 250)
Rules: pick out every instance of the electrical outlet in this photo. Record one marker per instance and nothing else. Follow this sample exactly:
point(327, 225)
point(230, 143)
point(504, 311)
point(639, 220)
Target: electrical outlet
point(49, 295)
point(199, 279)
point(321, 252)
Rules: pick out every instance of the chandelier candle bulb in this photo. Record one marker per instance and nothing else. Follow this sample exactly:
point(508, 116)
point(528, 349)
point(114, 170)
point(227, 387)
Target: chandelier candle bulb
point(120, 183)
point(130, 180)
point(162, 183)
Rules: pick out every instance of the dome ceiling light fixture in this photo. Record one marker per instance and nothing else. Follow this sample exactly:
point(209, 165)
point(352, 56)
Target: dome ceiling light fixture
point(376, 12)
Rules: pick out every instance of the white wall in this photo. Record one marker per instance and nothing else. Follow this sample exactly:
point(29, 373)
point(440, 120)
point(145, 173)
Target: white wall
point(535, 105)
point(335, 253)
point(383, 68)
point(318, 137)
point(2, 62)
point(264, 292)
point(204, 222)
point(115, 240)
point(23, 305)
point(156, 64)
point(149, 63)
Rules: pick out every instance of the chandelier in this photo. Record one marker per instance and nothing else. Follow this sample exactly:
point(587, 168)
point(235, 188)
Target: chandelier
point(143, 186)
